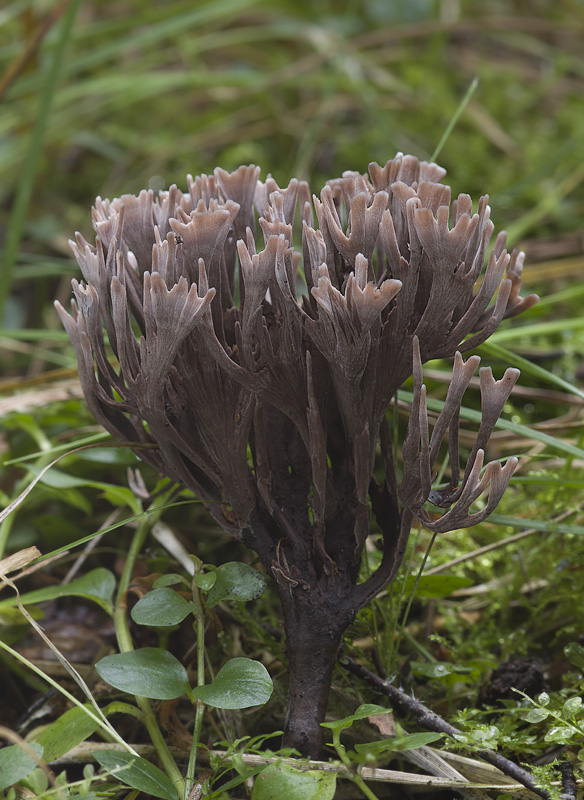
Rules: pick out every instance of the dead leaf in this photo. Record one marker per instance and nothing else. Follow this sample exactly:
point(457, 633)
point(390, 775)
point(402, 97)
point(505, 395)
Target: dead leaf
point(19, 559)
point(384, 723)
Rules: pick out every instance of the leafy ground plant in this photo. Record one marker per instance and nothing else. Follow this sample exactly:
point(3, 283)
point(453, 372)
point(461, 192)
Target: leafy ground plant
point(151, 673)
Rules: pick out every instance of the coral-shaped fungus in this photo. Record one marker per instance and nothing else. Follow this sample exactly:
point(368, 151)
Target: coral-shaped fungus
point(272, 408)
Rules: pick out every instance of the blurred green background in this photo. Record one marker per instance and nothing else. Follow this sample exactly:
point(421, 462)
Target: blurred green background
point(137, 94)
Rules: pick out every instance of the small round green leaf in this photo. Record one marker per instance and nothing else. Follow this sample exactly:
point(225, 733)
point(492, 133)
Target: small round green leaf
point(536, 715)
point(572, 706)
point(149, 672)
point(560, 734)
point(161, 607)
point(137, 773)
point(574, 652)
point(16, 764)
point(433, 670)
point(283, 782)
point(486, 736)
point(205, 580)
point(364, 711)
point(235, 581)
point(241, 683)
point(170, 579)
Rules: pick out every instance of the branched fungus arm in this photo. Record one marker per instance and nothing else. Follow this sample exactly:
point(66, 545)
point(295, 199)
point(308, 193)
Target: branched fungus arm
point(420, 455)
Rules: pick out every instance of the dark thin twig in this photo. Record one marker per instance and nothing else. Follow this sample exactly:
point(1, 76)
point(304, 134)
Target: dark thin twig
point(569, 786)
point(432, 722)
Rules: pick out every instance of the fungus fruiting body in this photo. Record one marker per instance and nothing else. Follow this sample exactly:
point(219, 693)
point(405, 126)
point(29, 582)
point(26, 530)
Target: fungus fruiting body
point(273, 408)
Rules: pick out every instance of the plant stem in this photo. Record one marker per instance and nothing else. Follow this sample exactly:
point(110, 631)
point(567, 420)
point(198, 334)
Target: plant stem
point(402, 626)
point(5, 528)
point(340, 748)
point(125, 643)
point(355, 777)
point(200, 706)
point(119, 707)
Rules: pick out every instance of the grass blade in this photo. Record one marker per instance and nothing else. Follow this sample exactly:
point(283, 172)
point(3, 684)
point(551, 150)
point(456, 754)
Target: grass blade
point(463, 104)
point(25, 185)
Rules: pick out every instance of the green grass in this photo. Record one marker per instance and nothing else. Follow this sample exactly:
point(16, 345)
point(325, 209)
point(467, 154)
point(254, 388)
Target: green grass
point(123, 95)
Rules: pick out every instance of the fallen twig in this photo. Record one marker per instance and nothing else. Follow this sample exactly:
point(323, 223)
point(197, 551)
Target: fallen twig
point(433, 722)
point(85, 752)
